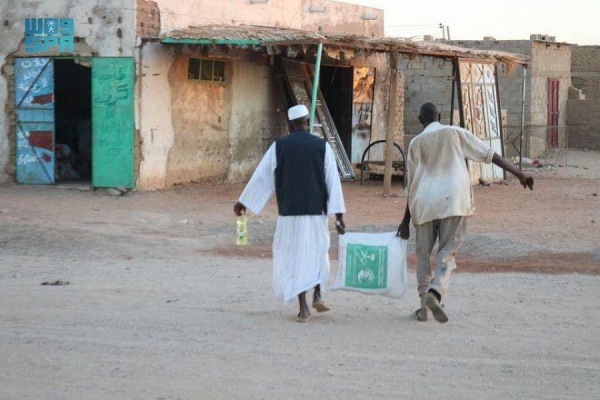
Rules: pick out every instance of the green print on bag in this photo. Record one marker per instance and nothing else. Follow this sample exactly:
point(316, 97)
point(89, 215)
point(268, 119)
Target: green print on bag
point(366, 266)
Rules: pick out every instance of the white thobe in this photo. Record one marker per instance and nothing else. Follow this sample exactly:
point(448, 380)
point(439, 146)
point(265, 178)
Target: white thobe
point(301, 243)
point(438, 181)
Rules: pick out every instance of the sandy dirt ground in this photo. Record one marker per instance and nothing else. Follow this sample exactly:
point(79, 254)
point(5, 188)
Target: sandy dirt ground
point(162, 305)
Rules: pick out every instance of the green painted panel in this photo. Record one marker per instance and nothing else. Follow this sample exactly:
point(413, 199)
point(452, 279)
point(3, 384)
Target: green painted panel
point(112, 121)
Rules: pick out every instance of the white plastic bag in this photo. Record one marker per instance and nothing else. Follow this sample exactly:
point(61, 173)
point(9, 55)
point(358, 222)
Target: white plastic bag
point(372, 263)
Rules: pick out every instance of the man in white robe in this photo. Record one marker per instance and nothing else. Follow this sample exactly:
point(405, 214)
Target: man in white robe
point(301, 169)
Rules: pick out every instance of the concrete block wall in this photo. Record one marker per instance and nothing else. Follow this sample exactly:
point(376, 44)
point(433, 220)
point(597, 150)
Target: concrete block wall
point(584, 123)
point(585, 70)
point(426, 79)
point(549, 60)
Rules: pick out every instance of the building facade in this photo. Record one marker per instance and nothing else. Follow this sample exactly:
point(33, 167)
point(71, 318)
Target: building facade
point(89, 95)
point(547, 91)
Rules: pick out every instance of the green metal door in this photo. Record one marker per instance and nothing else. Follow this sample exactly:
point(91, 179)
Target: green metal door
point(112, 122)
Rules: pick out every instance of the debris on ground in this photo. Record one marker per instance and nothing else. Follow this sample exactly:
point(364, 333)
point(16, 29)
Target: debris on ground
point(114, 192)
point(117, 191)
point(56, 283)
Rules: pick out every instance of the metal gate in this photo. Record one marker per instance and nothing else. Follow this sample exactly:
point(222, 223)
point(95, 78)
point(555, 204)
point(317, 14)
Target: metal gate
point(300, 83)
point(34, 95)
point(480, 113)
point(112, 122)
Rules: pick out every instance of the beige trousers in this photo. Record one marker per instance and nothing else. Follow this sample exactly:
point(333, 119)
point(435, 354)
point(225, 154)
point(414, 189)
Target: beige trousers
point(451, 233)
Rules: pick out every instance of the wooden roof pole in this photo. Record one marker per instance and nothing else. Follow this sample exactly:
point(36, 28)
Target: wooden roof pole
point(391, 124)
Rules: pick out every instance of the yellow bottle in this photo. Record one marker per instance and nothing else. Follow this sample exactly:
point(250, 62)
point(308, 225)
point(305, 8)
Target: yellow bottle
point(242, 232)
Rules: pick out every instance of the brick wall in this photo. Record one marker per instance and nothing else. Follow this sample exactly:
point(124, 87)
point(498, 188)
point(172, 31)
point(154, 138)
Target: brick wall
point(585, 70)
point(584, 123)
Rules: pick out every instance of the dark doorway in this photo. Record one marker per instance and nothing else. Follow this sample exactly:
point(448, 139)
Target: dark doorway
point(336, 86)
point(73, 116)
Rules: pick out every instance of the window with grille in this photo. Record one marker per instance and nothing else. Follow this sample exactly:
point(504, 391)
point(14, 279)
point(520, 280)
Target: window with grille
point(200, 69)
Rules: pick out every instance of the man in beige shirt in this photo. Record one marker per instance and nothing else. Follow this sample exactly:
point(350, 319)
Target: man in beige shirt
point(440, 201)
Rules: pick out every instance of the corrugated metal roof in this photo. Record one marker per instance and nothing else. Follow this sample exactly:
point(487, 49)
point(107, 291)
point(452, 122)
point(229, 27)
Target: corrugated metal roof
point(246, 35)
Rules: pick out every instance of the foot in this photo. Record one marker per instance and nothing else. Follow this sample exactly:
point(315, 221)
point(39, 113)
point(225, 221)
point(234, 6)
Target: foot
point(422, 314)
point(303, 316)
point(433, 304)
point(320, 306)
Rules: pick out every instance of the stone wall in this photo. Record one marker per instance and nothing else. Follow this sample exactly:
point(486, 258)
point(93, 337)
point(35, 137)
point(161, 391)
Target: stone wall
point(147, 19)
point(585, 70)
point(584, 123)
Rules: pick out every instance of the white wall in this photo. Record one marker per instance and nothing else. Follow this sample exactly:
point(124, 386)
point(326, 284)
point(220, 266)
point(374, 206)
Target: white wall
point(254, 119)
point(156, 126)
point(339, 17)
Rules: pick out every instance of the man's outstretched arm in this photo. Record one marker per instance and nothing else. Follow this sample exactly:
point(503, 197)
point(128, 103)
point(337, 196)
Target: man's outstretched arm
point(525, 179)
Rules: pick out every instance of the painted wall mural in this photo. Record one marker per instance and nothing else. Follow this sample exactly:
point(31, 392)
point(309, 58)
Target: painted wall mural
point(481, 113)
point(362, 110)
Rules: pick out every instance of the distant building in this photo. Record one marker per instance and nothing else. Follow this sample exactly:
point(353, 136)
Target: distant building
point(548, 82)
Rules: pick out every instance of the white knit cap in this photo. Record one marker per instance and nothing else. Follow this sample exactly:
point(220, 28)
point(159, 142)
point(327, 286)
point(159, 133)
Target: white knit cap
point(297, 112)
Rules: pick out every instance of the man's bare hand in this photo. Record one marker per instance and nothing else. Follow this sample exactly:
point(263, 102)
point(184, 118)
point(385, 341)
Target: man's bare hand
point(239, 208)
point(340, 226)
point(403, 231)
point(526, 181)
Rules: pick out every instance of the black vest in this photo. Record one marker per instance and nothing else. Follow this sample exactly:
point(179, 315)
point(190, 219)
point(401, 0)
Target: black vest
point(300, 175)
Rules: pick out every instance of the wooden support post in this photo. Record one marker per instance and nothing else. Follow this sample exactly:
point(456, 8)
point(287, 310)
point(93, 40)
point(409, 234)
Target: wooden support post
point(391, 124)
point(315, 92)
point(522, 118)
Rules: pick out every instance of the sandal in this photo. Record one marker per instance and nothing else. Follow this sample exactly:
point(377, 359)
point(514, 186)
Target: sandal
point(320, 306)
point(421, 314)
point(303, 319)
point(434, 305)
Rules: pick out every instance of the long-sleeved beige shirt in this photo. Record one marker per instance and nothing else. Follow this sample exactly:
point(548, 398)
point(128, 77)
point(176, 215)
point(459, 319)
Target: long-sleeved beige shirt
point(439, 185)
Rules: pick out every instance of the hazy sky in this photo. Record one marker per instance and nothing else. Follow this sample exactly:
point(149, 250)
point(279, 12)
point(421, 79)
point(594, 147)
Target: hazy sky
point(573, 21)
